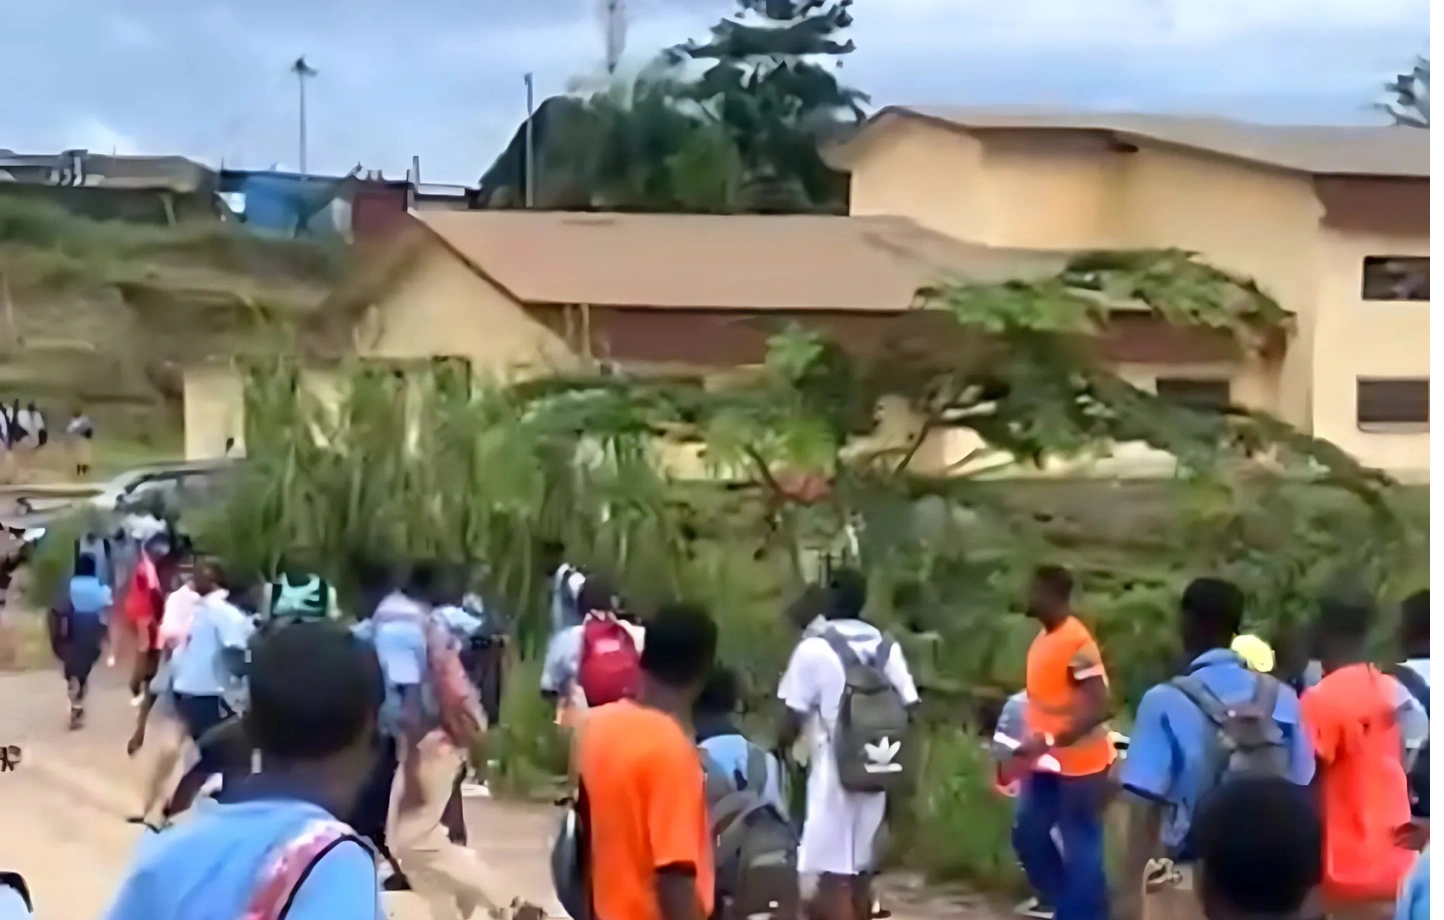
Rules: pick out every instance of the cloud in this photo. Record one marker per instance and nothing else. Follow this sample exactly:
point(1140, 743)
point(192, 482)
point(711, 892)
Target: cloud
point(442, 78)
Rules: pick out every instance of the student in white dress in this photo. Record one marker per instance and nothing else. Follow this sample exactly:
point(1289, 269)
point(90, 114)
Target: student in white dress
point(840, 828)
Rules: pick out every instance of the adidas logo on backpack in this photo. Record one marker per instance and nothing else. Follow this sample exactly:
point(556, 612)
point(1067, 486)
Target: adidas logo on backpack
point(872, 720)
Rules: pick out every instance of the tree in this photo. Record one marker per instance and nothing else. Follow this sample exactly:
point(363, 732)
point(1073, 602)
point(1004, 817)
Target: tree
point(1409, 92)
point(777, 101)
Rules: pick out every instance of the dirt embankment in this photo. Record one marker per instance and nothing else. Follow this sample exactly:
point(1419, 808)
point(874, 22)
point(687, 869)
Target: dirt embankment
point(106, 313)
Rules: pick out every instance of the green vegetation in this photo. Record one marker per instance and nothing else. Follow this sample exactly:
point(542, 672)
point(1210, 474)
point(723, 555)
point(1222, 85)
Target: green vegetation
point(733, 124)
point(437, 466)
point(107, 313)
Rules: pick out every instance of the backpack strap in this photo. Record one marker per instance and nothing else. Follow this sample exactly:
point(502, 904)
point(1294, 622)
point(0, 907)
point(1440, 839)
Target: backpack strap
point(1266, 694)
point(729, 842)
point(756, 774)
point(291, 862)
point(842, 648)
point(1413, 682)
point(1199, 695)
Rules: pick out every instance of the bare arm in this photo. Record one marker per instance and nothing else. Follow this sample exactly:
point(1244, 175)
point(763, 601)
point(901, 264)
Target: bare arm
point(1090, 710)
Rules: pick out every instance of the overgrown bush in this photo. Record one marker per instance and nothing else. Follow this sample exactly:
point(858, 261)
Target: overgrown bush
point(436, 466)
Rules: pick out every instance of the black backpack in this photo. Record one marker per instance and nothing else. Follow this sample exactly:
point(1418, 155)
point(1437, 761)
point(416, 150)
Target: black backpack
point(1242, 739)
point(1418, 687)
point(755, 848)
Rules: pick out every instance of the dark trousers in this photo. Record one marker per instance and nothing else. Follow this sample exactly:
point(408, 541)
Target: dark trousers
point(80, 650)
point(200, 714)
point(1072, 880)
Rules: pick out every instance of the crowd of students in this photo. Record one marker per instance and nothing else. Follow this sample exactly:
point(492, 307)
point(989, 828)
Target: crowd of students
point(1243, 798)
point(1339, 771)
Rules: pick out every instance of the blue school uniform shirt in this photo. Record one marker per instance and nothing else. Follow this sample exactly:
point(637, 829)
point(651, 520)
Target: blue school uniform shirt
point(398, 632)
point(1167, 753)
point(1413, 903)
point(728, 748)
point(198, 667)
point(90, 597)
point(207, 868)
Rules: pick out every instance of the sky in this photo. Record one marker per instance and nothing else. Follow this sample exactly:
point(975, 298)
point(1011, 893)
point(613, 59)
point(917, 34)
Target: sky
point(442, 79)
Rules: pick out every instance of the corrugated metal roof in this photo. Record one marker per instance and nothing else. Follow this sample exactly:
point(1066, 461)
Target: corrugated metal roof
point(1352, 150)
point(744, 262)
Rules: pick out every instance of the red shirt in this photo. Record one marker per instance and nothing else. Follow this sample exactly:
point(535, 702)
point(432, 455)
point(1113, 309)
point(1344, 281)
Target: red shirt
point(1350, 717)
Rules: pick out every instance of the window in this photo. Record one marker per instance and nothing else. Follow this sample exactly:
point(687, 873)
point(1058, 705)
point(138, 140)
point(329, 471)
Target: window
point(1199, 395)
point(1393, 401)
point(1396, 278)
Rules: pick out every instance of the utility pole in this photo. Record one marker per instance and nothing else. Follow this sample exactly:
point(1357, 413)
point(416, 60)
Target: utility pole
point(530, 164)
point(302, 70)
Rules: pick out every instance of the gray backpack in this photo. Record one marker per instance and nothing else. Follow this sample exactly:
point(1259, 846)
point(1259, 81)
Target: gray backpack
point(1243, 739)
point(872, 721)
point(755, 847)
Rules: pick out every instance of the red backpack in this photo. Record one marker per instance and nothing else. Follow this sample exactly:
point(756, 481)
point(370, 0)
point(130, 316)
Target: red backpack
point(610, 667)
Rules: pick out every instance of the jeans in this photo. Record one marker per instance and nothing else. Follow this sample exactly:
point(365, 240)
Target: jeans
point(1072, 879)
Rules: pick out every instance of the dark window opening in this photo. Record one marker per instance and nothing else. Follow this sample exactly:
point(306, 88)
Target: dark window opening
point(1199, 395)
point(1396, 278)
point(1396, 401)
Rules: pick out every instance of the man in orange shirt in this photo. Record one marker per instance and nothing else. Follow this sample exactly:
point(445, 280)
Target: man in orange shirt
point(1361, 721)
point(646, 841)
point(1067, 756)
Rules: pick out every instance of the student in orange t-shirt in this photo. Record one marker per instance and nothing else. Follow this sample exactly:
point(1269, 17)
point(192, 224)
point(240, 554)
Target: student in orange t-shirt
point(646, 839)
point(1358, 719)
point(1066, 718)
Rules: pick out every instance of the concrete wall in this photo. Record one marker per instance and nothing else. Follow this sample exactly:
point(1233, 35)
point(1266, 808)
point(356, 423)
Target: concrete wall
point(440, 307)
point(1024, 189)
point(213, 411)
point(1357, 338)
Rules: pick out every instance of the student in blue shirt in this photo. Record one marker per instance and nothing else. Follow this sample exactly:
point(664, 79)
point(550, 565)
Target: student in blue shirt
point(1414, 899)
point(206, 669)
point(86, 623)
point(315, 694)
point(722, 741)
point(1164, 774)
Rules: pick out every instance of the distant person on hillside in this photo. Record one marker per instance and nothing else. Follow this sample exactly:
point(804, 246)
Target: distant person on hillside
point(81, 432)
point(18, 432)
point(37, 425)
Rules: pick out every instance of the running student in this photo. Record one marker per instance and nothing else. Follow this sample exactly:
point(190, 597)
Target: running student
point(315, 692)
point(1066, 717)
point(204, 670)
point(647, 842)
point(432, 712)
point(1175, 753)
point(1259, 844)
point(841, 822)
point(1361, 722)
point(85, 625)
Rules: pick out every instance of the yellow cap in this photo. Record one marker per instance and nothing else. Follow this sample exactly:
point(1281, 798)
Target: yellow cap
point(1255, 652)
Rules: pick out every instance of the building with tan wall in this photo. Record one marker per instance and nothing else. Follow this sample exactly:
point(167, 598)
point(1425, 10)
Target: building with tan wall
point(1332, 222)
point(518, 293)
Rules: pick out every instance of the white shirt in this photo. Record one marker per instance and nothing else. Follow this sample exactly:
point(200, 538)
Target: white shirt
point(180, 610)
point(840, 828)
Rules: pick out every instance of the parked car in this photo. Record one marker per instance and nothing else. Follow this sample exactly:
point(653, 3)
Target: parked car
point(174, 485)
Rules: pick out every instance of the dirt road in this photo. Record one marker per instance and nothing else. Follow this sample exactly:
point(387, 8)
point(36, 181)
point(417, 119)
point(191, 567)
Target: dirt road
point(63, 810)
point(63, 807)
